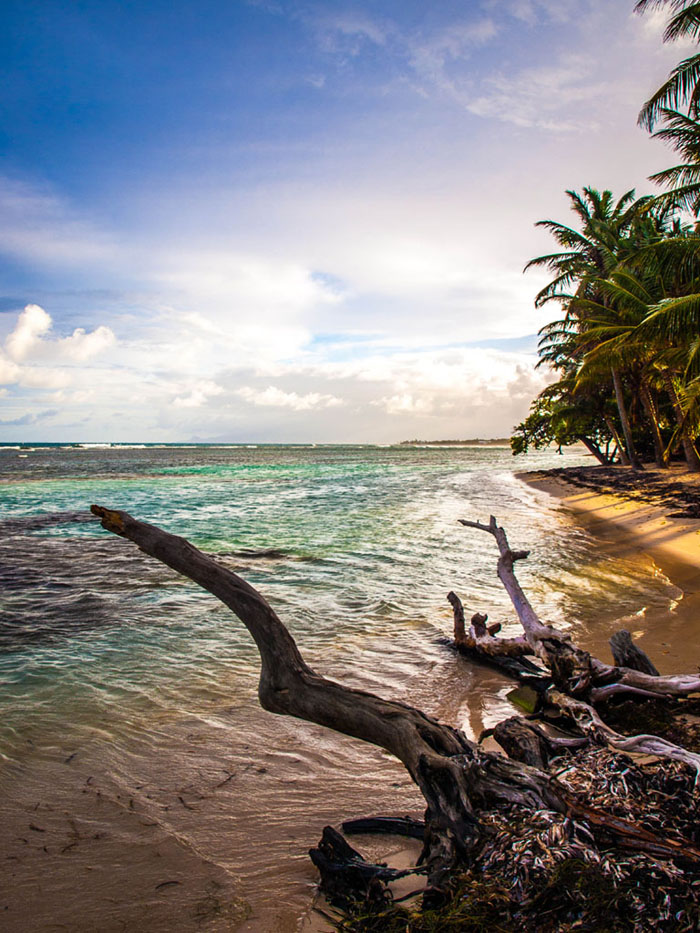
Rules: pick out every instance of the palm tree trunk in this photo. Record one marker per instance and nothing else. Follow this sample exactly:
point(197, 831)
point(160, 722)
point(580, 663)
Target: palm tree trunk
point(624, 459)
point(624, 420)
point(660, 457)
point(595, 450)
point(691, 454)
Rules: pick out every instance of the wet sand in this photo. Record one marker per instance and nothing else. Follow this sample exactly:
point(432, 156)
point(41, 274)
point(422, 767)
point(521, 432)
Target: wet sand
point(649, 514)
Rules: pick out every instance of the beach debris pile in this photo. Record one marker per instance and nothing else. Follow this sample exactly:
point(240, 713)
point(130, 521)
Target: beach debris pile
point(542, 871)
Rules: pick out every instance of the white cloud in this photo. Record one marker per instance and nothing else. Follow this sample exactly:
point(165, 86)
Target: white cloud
point(32, 324)
point(541, 97)
point(246, 282)
point(82, 346)
point(9, 371)
point(30, 340)
point(276, 398)
point(346, 32)
point(429, 56)
point(406, 403)
point(198, 395)
point(41, 377)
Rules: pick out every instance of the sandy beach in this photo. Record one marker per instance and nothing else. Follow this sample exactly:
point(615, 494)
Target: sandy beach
point(654, 514)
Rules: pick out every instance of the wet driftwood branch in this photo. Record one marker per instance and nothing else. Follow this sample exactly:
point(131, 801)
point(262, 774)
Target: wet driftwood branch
point(578, 680)
point(626, 654)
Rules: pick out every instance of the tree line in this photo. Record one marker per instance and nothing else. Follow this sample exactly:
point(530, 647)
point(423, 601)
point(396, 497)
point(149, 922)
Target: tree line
point(626, 277)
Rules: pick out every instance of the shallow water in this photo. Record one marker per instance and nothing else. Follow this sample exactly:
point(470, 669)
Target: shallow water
point(129, 695)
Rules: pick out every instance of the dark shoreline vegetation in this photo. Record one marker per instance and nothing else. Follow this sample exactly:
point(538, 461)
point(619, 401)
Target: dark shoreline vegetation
point(626, 346)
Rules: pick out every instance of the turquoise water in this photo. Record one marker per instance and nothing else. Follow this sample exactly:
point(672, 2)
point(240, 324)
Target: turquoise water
point(113, 665)
point(358, 543)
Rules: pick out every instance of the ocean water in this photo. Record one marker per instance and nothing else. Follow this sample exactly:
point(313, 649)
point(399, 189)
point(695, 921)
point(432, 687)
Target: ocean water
point(121, 681)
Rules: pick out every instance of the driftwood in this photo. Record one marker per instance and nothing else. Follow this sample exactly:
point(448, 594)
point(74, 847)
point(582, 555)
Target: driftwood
point(347, 875)
point(463, 785)
point(578, 680)
point(626, 654)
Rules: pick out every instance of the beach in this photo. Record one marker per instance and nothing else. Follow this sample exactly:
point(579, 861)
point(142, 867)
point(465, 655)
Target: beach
point(653, 515)
point(143, 788)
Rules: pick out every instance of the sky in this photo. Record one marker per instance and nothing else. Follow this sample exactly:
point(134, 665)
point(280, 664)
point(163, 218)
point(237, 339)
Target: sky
point(281, 220)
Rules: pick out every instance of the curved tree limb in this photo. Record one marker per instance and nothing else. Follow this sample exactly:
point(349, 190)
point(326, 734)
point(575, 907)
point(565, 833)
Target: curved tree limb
point(446, 766)
point(455, 776)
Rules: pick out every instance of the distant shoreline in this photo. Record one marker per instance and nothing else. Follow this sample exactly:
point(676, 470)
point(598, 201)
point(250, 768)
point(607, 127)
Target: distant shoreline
point(78, 446)
point(470, 442)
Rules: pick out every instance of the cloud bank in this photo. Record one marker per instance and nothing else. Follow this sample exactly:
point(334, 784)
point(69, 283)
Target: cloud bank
point(310, 223)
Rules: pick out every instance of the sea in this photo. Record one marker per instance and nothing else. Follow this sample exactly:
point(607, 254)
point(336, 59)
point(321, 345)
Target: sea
point(141, 785)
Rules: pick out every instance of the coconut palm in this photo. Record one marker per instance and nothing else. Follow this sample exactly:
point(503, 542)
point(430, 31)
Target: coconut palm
point(609, 233)
point(610, 341)
point(594, 250)
point(682, 88)
point(641, 324)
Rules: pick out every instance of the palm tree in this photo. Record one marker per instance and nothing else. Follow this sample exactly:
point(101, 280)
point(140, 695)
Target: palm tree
point(647, 328)
point(608, 342)
point(589, 256)
point(682, 88)
point(594, 250)
point(672, 323)
point(675, 324)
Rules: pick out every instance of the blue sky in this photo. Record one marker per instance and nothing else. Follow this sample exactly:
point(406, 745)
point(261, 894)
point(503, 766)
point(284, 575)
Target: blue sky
point(280, 220)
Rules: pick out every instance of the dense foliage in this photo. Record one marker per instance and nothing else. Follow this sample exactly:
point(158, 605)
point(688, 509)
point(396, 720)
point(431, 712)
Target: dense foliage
point(626, 277)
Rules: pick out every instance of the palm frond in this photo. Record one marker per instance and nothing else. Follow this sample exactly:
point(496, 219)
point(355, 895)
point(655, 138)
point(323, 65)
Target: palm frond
point(684, 197)
point(675, 319)
point(680, 88)
point(641, 6)
point(565, 236)
point(685, 24)
point(677, 175)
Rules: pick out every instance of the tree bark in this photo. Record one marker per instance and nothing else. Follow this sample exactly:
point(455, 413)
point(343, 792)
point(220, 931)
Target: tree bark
point(689, 451)
point(635, 463)
point(627, 654)
point(595, 450)
point(624, 459)
point(660, 457)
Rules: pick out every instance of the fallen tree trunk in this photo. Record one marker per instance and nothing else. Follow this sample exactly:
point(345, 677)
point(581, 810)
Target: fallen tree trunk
point(462, 784)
